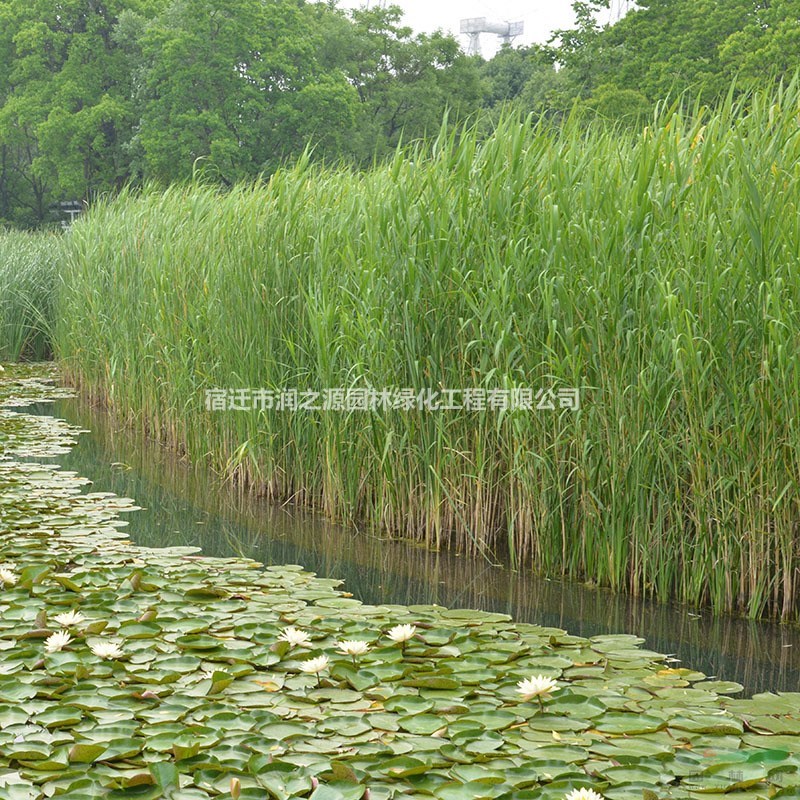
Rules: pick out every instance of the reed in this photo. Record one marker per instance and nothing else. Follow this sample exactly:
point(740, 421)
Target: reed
point(657, 271)
point(28, 273)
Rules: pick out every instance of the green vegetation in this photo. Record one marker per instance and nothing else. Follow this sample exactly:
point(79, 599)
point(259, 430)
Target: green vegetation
point(28, 270)
point(654, 271)
point(155, 673)
point(689, 49)
point(97, 95)
point(94, 96)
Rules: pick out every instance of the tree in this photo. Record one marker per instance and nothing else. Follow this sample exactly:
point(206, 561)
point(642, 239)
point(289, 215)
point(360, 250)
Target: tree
point(66, 112)
point(507, 74)
point(98, 93)
point(404, 83)
point(233, 85)
point(661, 48)
point(767, 46)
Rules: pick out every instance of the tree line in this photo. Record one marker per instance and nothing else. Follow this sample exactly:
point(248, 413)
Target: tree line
point(97, 94)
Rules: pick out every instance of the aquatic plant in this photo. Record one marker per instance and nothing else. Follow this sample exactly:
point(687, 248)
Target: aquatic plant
point(539, 686)
point(294, 637)
point(353, 648)
point(106, 649)
point(583, 794)
point(315, 666)
point(8, 577)
point(29, 269)
point(196, 696)
point(57, 641)
point(655, 272)
point(69, 619)
point(401, 633)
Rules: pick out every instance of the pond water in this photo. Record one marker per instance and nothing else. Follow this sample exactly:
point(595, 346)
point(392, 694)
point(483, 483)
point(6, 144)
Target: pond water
point(187, 506)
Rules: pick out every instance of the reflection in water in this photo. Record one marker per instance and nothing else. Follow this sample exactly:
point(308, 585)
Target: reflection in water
point(186, 506)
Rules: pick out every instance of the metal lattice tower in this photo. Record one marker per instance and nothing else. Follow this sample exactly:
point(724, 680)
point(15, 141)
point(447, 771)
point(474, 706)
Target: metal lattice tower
point(619, 8)
point(475, 26)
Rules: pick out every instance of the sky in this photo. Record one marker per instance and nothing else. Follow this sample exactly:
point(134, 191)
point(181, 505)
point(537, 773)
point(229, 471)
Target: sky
point(541, 17)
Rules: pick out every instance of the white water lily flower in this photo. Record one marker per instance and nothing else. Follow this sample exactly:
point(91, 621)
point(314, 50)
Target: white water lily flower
point(315, 665)
point(8, 577)
point(106, 649)
point(57, 641)
point(295, 637)
point(583, 794)
point(402, 633)
point(69, 619)
point(353, 648)
point(540, 686)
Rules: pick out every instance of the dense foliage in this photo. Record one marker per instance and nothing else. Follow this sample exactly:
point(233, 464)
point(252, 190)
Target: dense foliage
point(656, 271)
point(28, 274)
point(95, 94)
point(661, 49)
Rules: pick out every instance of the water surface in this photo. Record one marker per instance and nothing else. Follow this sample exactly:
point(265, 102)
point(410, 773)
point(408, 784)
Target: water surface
point(187, 506)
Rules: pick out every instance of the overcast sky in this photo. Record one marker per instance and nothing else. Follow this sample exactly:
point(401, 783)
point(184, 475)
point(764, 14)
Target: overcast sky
point(541, 17)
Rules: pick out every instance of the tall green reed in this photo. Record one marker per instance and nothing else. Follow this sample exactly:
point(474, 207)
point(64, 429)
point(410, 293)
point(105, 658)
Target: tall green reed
point(28, 274)
point(655, 271)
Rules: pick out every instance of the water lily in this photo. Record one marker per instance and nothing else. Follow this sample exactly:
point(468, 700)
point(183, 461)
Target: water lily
point(295, 637)
point(353, 648)
point(8, 577)
point(583, 794)
point(69, 619)
point(314, 666)
point(106, 649)
point(401, 634)
point(537, 687)
point(57, 641)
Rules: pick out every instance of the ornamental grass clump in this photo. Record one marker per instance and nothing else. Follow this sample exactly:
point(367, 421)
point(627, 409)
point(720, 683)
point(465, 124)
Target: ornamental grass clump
point(29, 268)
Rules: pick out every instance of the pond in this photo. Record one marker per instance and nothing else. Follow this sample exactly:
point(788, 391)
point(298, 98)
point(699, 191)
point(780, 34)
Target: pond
point(188, 506)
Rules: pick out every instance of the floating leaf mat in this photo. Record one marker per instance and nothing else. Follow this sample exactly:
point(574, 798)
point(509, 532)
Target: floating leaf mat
point(203, 700)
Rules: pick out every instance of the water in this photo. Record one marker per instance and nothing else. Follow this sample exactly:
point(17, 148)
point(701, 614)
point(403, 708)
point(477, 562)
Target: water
point(186, 506)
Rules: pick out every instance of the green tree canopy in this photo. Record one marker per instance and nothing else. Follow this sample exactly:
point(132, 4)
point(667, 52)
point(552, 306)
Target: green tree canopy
point(97, 93)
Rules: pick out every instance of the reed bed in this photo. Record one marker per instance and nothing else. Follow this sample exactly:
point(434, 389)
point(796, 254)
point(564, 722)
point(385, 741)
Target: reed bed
point(28, 273)
point(657, 272)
